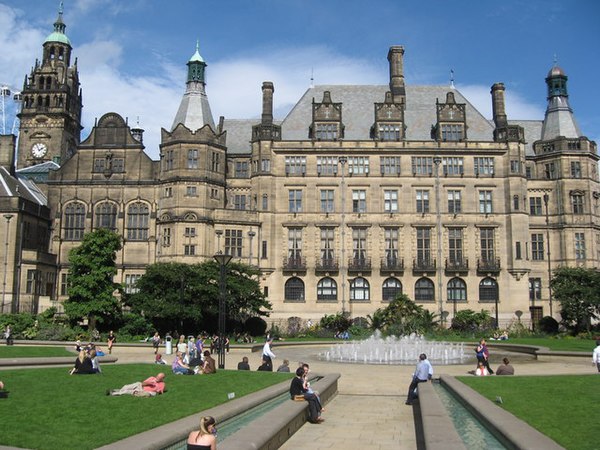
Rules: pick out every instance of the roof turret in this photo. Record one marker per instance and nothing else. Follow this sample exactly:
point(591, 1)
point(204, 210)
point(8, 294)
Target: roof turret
point(58, 35)
point(559, 119)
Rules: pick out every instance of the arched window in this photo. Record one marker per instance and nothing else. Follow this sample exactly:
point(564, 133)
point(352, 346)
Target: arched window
point(424, 290)
point(359, 290)
point(294, 290)
point(391, 289)
point(138, 214)
point(488, 290)
point(74, 221)
point(327, 290)
point(457, 290)
point(106, 216)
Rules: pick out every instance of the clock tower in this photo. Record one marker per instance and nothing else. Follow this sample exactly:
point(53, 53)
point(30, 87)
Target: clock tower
point(50, 118)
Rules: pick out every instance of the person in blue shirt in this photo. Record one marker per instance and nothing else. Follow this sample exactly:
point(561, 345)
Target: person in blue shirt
point(421, 375)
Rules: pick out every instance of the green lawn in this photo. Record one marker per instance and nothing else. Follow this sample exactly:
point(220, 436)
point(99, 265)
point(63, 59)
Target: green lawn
point(20, 351)
point(49, 409)
point(575, 345)
point(564, 407)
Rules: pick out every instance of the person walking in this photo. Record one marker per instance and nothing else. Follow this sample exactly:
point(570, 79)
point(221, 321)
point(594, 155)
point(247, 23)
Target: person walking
point(483, 355)
point(267, 354)
point(421, 375)
point(596, 355)
point(8, 335)
point(111, 341)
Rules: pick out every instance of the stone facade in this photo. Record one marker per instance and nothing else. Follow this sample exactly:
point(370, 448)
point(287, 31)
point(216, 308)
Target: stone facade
point(361, 192)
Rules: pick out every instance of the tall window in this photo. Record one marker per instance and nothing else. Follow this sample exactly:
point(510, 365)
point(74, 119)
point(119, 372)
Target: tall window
point(74, 221)
point(537, 247)
point(454, 201)
point(485, 202)
point(191, 191)
point(130, 283)
point(169, 158)
point(580, 246)
point(488, 290)
point(294, 290)
point(457, 290)
point(358, 165)
point(64, 284)
point(137, 221)
point(327, 290)
point(31, 286)
point(189, 249)
point(389, 165)
point(327, 245)
point(424, 290)
point(484, 166)
point(241, 169)
point(423, 245)
point(295, 200)
point(577, 203)
point(106, 216)
point(294, 244)
point(327, 165)
point(192, 158)
point(326, 131)
point(166, 237)
point(486, 241)
point(359, 290)
point(515, 166)
point(535, 289)
point(452, 132)
point(215, 161)
point(389, 131)
point(391, 289)
point(422, 201)
point(265, 165)
point(265, 202)
point(535, 206)
point(422, 165)
point(359, 201)
point(327, 204)
point(359, 243)
point(550, 171)
point(575, 169)
point(233, 243)
point(452, 166)
point(391, 246)
point(455, 245)
point(239, 201)
point(390, 201)
point(295, 165)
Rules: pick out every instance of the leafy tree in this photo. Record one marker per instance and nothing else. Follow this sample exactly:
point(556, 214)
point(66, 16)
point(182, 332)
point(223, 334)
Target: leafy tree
point(402, 317)
point(90, 284)
point(181, 295)
point(578, 291)
point(335, 322)
point(469, 320)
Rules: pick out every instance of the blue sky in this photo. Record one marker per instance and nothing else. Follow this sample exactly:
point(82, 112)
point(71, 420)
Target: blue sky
point(132, 54)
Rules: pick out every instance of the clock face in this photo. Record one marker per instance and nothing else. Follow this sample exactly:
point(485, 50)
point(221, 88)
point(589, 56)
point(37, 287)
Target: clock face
point(39, 150)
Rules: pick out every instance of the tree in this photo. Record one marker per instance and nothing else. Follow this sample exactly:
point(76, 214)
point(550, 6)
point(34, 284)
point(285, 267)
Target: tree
point(186, 295)
point(469, 320)
point(578, 291)
point(402, 317)
point(90, 284)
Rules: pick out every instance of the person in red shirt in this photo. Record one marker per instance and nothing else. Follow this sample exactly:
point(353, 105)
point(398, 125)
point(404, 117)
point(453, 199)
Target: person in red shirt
point(148, 388)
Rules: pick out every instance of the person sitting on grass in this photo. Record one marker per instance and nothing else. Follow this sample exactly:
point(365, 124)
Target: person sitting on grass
point(179, 367)
point(209, 365)
point(150, 387)
point(481, 370)
point(243, 364)
point(158, 359)
point(285, 367)
point(506, 368)
point(265, 366)
point(83, 365)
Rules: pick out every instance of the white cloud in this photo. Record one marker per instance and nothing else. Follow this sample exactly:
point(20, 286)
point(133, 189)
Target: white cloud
point(517, 107)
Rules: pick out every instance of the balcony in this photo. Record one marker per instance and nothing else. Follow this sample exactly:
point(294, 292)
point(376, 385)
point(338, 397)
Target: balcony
point(457, 265)
point(294, 264)
point(491, 265)
point(424, 265)
point(359, 264)
point(392, 265)
point(327, 265)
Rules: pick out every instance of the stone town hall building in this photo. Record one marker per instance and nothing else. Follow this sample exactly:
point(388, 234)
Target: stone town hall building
point(359, 193)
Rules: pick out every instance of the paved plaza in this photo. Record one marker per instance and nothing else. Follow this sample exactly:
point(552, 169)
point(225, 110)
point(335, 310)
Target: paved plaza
point(369, 410)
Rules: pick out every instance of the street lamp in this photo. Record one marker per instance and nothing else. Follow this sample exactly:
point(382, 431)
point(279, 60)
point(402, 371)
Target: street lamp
point(343, 160)
point(438, 214)
point(251, 235)
point(222, 260)
point(546, 198)
point(7, 217)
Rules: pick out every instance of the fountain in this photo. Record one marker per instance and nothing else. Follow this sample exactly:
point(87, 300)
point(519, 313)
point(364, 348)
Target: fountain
point(393, 350)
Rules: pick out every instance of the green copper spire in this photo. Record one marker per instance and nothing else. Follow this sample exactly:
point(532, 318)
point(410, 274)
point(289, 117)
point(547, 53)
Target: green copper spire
point(196, 66)
point(58, 35)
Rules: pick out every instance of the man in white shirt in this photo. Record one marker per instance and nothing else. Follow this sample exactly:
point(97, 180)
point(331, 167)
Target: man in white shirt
point(423, 373)
point(596, 355)
point(268, 355)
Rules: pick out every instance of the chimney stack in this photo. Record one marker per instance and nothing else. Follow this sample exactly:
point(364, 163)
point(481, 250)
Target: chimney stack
point(498, 109)
point(267, 112)
point(395, 58)
point(7, 152)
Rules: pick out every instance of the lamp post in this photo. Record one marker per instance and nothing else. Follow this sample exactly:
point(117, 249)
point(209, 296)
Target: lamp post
point(546, 198)
point(222, 260)
point(6, 239)
point(438, 214)
point(343, 160)
point(251, 235)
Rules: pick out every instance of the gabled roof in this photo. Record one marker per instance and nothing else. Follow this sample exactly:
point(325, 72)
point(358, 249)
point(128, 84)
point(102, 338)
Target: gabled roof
point(16, 186)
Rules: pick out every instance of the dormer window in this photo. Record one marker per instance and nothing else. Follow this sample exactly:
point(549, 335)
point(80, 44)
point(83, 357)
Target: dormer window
point(389, 120)
point(451, 123)
point(452, 132)
point(326, 120)
point(326, 131)
point(389, 132)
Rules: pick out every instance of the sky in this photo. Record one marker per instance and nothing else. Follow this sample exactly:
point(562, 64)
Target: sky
point(132, 54)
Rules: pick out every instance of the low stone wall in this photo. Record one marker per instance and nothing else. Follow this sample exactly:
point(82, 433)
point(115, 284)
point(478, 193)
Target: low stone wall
point(54, 361)
point(511, 431)
point(267, 432)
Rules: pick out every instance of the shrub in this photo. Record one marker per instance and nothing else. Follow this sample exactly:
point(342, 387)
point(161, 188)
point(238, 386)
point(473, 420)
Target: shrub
point(335, 322)
point(469, 320)
point(135, 325)
point(548, 325)
point(57, 332)
point(18, 323)
point(255, 326)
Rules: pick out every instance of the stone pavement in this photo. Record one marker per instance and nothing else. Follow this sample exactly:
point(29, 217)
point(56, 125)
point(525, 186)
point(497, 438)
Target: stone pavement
point(369, 410)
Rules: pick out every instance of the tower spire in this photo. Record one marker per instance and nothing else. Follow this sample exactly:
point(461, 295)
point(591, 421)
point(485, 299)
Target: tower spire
point(559, 120)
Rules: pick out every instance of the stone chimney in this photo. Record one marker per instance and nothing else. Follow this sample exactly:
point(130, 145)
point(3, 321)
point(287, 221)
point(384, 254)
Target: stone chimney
point(395, 58)
point(7, 152)
point(267, 110)
point(498, 109)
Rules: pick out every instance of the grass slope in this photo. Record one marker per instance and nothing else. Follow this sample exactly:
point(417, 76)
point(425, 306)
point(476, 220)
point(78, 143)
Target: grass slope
point(564, 407)
point(20, 351)
point(49, 409)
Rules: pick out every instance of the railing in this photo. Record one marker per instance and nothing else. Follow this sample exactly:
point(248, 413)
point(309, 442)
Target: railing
point(359, 264)
point(327, 264)
point(457, 265)
point(488, 265)
point(392, 264)
point(424, 265)
point(294, 263)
